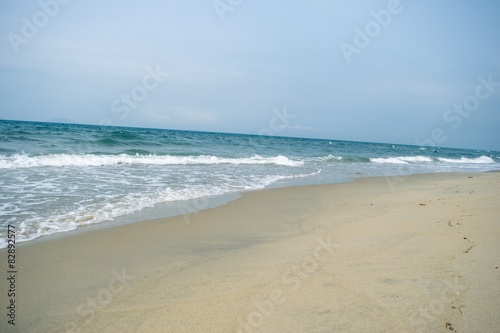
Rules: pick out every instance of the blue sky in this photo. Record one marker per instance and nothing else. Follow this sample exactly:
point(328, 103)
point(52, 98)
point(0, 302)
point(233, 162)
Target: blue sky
point(409, 72)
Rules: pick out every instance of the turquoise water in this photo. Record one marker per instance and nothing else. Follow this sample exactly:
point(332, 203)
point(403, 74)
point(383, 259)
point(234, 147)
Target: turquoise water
point(59, 177)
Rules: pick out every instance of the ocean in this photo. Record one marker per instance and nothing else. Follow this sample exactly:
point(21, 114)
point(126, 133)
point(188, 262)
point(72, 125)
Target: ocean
point(57, 178)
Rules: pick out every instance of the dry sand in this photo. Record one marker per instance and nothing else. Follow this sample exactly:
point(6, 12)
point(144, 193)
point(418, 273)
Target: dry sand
point(412, 254)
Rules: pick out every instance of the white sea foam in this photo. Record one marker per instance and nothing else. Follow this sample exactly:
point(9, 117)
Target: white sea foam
point(479, 160)
point(266, 181)
point(87, 160)
point(109, 208)
point(402, 159)
point(425, 159)
point(327, 158)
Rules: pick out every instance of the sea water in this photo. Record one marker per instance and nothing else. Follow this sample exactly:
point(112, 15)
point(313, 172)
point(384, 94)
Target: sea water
point(60, 177)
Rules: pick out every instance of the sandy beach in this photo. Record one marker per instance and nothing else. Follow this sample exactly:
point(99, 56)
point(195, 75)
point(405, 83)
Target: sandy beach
point(390, 254)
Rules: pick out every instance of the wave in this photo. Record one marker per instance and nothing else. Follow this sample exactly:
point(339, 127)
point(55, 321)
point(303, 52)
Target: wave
point(479, 160)
point(143, 157)
point(123, 135)
point(109, 209)
point(108, 142)
point(352, 159)
point(328, 158)
point(426, 159)
point(402, 159)
point(337, 159)
point(88, 160)
point(119, 138)
point(266, 181)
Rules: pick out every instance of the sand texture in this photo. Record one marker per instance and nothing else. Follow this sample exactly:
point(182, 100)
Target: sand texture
point(390, 254)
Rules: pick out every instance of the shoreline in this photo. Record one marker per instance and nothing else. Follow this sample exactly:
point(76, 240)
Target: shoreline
point(300, 258)
point(194, 206)
point(174, 209)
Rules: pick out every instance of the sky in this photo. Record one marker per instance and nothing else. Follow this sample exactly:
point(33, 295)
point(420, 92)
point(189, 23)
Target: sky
point(410, 72)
